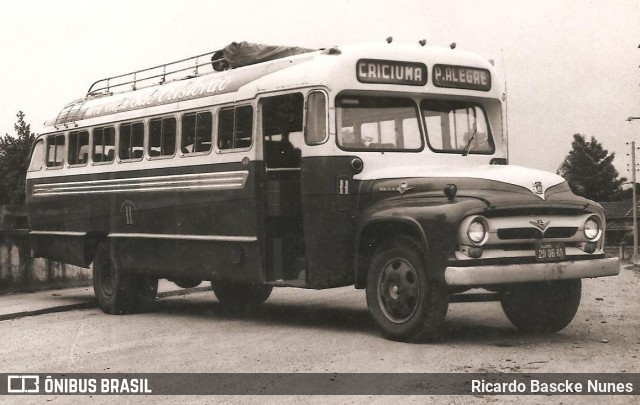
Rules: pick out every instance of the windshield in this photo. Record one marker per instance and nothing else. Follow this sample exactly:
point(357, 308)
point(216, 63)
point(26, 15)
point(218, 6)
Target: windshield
point(456, 127)
point(378, 123)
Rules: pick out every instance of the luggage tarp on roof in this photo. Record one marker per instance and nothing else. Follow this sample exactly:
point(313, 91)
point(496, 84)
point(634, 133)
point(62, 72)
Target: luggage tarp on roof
point(245, 53)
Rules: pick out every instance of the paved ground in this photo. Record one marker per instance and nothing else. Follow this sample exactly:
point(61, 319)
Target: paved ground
point(314, 331)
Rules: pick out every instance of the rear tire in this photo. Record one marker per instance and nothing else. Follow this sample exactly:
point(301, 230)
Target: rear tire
point(238, 294)
point(406, 304)
point(119, 292)
point(542, 307)
point(186, 282)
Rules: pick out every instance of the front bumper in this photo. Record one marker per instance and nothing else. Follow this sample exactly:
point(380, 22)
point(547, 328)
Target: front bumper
point(524, 273)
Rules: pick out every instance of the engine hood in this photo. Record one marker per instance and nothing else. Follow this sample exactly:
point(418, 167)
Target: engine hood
point(483, 180)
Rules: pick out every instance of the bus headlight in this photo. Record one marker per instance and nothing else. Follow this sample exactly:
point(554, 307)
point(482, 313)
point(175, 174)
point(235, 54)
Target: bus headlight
point(477, 231)
point(592, 229)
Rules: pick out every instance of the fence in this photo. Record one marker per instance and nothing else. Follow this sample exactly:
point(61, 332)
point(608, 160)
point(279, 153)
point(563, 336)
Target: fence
point(625, 253)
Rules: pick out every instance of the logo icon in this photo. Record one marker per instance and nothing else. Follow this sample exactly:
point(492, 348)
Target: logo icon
point(403, 187)
point(537, 188)
point(23, 384)
point(540, 224)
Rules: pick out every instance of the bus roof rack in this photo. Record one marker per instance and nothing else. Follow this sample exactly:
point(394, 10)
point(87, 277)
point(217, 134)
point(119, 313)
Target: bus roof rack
point(234, 55)
point(152, 76)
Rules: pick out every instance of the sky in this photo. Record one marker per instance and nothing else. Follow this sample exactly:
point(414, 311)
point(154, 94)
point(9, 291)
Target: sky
point(571, 66)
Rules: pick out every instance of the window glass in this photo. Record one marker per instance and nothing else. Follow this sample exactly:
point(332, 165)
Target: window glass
point(316, 131)
point(382, 123)
point(196, 132)
point(244, 127)
point(104, 141)
point(459, 127)
point(282, 128)
point(78, 147)
point(225, 128)
point(37, 157)
point(162, 137)
point(55, 150)
point(235, 128)
point(131, 141)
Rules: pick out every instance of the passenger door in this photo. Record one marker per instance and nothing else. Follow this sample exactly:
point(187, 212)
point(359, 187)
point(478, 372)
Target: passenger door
point(282, 118)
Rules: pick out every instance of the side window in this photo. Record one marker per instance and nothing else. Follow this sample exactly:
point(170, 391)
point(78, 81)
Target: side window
point(78, 148)
point(162, 137)
point(55, 150)
point(104, 141)
point(316, 122)
point(131, 143)
point(37, 157)
point(196, 132)
point(235, 128)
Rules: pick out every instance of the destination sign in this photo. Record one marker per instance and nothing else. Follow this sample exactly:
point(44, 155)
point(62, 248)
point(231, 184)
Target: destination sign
point(391, 72)
point(461, 77)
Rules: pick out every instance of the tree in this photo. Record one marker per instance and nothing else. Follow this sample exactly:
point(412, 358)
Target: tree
point(14, 160)
point(589, 170)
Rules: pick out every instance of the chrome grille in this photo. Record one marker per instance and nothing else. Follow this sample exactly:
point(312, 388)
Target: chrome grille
point(535, 233)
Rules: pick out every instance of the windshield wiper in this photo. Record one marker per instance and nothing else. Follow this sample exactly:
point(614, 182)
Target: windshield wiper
point(467, 147)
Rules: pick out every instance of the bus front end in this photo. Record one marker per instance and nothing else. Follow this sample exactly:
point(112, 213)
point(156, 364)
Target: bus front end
point(442, 217)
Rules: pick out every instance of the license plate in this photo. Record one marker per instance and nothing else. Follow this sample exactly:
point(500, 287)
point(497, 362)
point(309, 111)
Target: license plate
point(550, 252)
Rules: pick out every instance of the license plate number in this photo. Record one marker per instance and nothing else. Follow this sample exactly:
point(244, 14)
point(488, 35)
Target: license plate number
point(550, 252)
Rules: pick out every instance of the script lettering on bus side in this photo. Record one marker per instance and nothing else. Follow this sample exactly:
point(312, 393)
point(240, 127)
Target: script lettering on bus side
point(170, 94)
point(391, 72)
point(461, 77)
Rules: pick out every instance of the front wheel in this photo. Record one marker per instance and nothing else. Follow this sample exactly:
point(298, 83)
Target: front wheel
point(542, 307)
point(117, 291)
point(240, 294)
point(405, 303)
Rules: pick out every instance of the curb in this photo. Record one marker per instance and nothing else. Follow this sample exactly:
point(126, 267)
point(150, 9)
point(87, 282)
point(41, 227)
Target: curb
point(91, 303)
point(50, 310)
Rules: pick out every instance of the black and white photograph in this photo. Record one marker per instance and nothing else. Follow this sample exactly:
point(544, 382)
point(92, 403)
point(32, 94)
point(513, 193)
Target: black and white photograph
point(345, 202)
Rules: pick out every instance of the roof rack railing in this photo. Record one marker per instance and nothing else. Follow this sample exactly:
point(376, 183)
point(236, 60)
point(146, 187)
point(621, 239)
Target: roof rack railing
point(151, 76)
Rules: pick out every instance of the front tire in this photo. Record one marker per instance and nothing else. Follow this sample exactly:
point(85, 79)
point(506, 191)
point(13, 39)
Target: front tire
point(238, 294)
point(119, 292)
point(406, 304)
point(542, 307)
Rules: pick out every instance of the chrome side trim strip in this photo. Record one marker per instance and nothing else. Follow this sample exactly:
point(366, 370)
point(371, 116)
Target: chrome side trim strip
point(215, 238)
point(58, 233)
point(200, 181)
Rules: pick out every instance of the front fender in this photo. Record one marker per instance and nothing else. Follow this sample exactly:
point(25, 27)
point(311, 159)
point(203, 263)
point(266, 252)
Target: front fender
point(431, 222)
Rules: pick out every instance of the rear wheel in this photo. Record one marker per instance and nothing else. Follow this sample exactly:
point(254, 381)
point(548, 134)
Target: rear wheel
point(240, 294)
point(542, 307)
point(186, 282)
point(119, 292)
point(405, 303)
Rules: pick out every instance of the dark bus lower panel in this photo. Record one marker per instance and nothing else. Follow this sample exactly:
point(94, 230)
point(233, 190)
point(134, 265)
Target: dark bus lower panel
point(196, 259)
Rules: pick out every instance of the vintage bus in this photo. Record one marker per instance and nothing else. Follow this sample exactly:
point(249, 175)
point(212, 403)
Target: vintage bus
point(382, 166)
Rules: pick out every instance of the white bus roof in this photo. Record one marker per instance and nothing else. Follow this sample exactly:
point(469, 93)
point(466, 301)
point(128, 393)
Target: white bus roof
point(333, 68)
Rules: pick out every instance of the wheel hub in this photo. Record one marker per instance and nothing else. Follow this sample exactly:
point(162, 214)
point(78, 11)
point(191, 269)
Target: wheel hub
point(394, 292)
point(398, 290)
